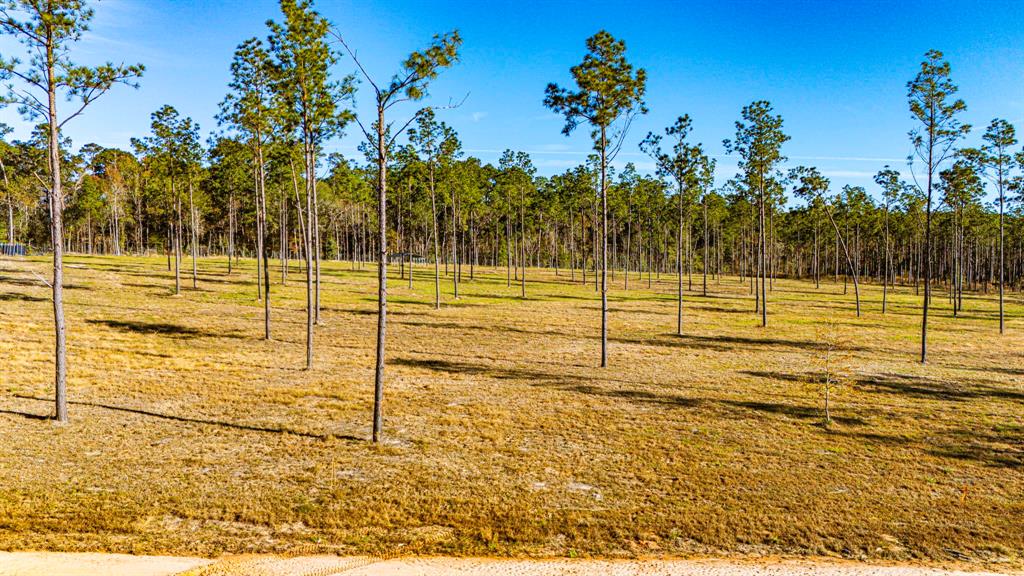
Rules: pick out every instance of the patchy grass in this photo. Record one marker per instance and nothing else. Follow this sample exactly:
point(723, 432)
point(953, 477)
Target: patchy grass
point(190, 434)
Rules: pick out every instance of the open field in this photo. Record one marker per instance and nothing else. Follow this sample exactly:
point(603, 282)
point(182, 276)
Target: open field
point(190, 434)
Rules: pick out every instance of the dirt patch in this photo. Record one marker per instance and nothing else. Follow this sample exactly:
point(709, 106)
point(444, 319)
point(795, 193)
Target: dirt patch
point(68, 564)
point(93, 564)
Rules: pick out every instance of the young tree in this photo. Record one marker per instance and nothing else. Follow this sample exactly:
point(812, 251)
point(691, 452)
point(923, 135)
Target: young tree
point(190, 151)
point(759, 140)
point(608, 91)
point(450, 151)
point(174, 150)
point(930, 95)
point(693, 173)
point(892, 186)
point(516, 177)
point(248, 108)
point(48, 31)
point(410, 83)
point(427, 138)
point(997, 162)
point(310, 106)
point(705, 176)
point(810, 185)
point(962, 188)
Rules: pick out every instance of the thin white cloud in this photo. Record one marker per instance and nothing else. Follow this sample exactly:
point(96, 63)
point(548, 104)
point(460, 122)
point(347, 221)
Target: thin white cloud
point(847, 174)
point(847, 159)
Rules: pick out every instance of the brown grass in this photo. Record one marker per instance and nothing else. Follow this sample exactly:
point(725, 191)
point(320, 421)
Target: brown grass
point(190, 434)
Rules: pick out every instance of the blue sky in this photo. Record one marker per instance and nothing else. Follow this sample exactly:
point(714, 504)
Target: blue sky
point(836, 71)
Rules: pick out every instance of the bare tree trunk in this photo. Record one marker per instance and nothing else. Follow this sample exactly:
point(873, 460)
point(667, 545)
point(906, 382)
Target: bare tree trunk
point(264, 252)
point(437, 254)
point(382, 277)
point(886, 264)
point(1001, 261)
point(261, 278)
point(308, 245)
point(177, 239)
point(522, 239)
point(604, 253)
point(508, 243)
point(231, 230)
point(10, 220)
point(57, 236)
point(193, 232)
point(763, 265)
point(704, 266)
point(679, 265)
point(116, 230)
point(455, 247)
point(927, 261)
point(314, 223)
point(307, 249)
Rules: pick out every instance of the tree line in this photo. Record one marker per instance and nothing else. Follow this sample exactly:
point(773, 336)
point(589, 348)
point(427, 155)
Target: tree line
point(260, 185)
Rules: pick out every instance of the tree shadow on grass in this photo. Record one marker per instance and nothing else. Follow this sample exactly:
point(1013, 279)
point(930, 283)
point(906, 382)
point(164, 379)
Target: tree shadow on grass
point(997, 447)
point(497, 372)
point(718, 309)
point(934, 389)
point(202, 421)
point(875, 437)
point(571, 297)
point(163, 329)
point(727, 343)
point(1002, 447)
point(439, 324)
point(496, 328)
point(801, 377)
point(912, 386)
point(28, 415)
point(998, 369)
point(678, 401)
point(793, 411)
point(670, 400)
point(16, 296)
point(145, 286)
point(366, 312)
point(37, 283)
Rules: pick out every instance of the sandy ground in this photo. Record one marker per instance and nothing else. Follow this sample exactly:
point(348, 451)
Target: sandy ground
point(65, 564)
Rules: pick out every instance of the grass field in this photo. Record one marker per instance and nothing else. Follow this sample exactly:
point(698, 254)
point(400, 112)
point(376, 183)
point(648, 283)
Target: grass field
point(190, 434)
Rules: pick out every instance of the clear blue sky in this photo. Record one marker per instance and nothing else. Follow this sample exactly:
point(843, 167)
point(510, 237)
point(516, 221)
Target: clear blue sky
point(837, 71)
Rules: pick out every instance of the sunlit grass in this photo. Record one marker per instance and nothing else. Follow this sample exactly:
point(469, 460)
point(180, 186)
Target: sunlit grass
point(190, 433)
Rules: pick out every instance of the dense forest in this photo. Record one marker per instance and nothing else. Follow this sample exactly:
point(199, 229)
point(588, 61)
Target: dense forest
point(259, 185)
point(479, 214)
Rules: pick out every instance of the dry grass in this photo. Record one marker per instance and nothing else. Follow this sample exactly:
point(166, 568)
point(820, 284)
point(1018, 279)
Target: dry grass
point(190, 434)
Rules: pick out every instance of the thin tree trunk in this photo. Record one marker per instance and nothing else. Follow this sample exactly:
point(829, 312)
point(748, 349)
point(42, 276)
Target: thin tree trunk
point(849, 261)
point(522, 238)
point(679, 265)
point(57, 237)
point(382, 277)
point(763, 264)
point(193, 232)
point(437, 254)
point(704, 265)
point(604, 252)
